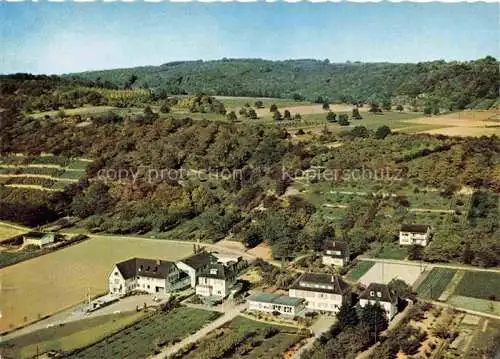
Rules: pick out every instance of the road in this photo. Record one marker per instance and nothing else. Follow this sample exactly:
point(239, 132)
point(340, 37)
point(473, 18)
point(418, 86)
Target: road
point(227, 317)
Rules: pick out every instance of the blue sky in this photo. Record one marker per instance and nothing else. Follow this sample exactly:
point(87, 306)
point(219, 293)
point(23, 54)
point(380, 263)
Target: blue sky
point(68, 37)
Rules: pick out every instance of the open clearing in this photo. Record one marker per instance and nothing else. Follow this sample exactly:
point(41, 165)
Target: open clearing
point(385, 272)
point(55, 281)
point(359, 270)
point(482, 285)
point(478, 305)
point(463, 123)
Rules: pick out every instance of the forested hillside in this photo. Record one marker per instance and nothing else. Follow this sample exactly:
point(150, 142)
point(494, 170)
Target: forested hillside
point(450, 85)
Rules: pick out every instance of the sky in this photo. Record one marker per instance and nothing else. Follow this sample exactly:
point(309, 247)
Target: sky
point(67, 37)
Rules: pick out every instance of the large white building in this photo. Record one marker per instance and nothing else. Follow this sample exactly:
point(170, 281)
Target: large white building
point(196, 264)
point(322, 292)
point(143, 275)
point(336, 253)
point(380, 293)
point(216, 281)
point(411, 234)
point(270, 302)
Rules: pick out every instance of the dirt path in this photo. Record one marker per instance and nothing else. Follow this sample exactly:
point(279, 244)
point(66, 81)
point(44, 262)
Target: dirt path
point(450, 288)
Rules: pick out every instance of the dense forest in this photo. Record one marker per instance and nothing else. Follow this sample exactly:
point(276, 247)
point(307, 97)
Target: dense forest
point(252, 205)
point(450, 85)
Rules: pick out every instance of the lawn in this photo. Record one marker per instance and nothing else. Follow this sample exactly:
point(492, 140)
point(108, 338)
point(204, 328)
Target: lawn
point(61, 279)
point(8, 231)
point(435, 283)
point(476, 304)
point(388, 251)
point(482, 285)
point(246, 338)
point(359, 270)
point(149, 335)
point(71, 336)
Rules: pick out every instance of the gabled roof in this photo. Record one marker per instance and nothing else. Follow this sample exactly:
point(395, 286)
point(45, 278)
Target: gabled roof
point(217, 271)
point(199, 260)
point(321, 282)
point(415, 228)
point(264, 297)
point(386, 295)
point(340, 246)
point(145, 268)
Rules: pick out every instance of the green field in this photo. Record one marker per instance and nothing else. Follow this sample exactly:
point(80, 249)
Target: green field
point(435, 283)
point(359, 270)
point(246, 338)
point(482, 285)
point(149, 335)
point(476, 304)
point(70, 336)
point(234, 103)
point(388, 251)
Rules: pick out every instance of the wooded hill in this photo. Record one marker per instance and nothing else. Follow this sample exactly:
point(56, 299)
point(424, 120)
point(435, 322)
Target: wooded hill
point(451, 85)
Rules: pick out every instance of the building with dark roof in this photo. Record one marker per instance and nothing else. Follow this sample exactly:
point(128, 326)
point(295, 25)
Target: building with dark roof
point(216, 280)
point(336, 253)
point(411, 234)
point(143, 275)
point(196, 264)
point(322, 292)
point(382, 294)
point(271, 302)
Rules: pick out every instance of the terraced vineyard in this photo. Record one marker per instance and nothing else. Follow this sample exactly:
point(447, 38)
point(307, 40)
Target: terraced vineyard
point(49, 173)
point(435, 283)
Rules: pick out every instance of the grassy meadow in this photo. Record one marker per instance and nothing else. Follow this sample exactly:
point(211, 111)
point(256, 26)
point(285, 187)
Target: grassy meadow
point(61, 279)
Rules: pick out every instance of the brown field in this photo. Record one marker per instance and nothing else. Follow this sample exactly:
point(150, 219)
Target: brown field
point(261, 251)
point(47, 284)
point(464, 123)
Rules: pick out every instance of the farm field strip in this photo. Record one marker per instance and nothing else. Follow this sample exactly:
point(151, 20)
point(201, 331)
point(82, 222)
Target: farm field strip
point(481, 285)
point(450, 289)
point(30, 175)
point(435, 283)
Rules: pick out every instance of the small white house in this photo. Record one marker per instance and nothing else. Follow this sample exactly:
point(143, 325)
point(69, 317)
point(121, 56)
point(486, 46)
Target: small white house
point(336, 253)
point(196, 264)
point(380, 293)
point(142, 275)
point(270, 302)
point(411, 234)
point(216, 281)
point(322, 292)
point(38, 239)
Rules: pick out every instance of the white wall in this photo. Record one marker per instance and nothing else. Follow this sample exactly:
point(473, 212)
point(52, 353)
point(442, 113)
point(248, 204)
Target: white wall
point(270, 307)
point(318, 300)
point(390, 308)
